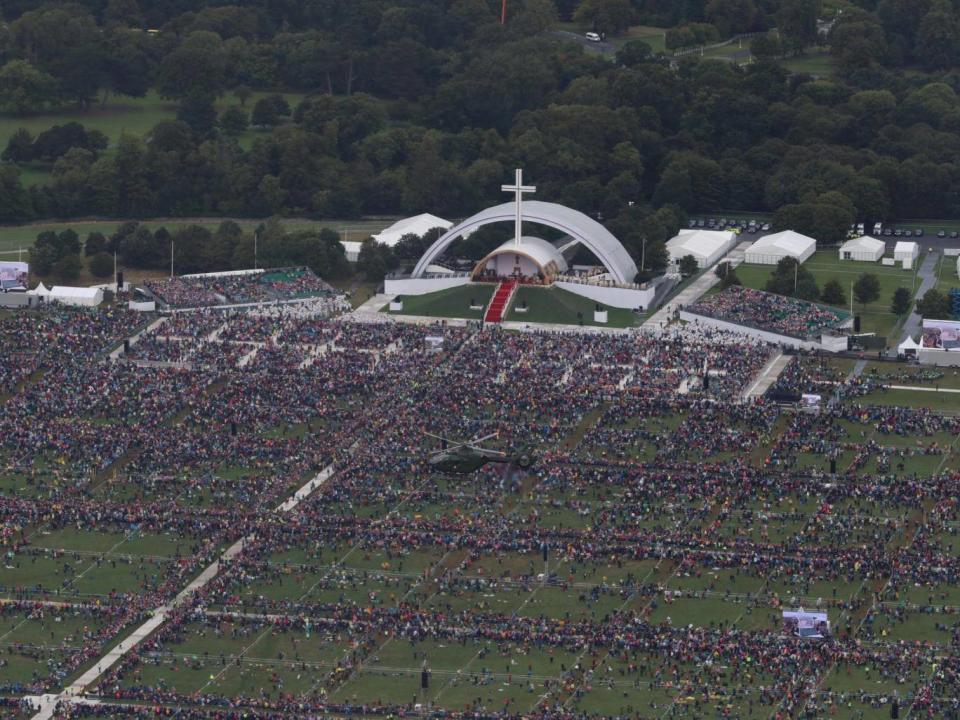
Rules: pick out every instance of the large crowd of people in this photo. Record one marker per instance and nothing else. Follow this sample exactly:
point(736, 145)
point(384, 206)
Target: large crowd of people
point(241, 288)
point(644, 456)
point(772, 313)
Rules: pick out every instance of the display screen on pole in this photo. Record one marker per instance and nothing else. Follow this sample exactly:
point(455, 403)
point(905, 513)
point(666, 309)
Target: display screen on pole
point(941, 334)
point(13, 274)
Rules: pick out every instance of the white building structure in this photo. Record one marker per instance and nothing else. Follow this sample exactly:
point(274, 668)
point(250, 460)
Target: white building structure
point(66, 295)
point(906, 252)
point(771, 249)
point(864, 249)
point(532, 257)
point(707, 246)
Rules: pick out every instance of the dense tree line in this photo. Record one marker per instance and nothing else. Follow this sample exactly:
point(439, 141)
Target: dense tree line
point(417, 105)
point(194, 248)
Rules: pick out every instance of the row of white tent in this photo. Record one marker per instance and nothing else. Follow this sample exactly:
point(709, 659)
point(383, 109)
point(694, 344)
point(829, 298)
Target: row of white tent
point(870, 249)
point(709, 246)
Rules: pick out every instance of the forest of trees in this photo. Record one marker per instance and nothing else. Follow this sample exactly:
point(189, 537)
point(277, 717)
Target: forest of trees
point(425, 105)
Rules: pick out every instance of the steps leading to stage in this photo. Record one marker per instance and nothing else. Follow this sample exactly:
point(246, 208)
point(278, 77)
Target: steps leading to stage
point(500, 301)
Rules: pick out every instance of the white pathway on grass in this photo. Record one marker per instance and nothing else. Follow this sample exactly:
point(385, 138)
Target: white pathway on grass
point(46, 704)
point(695, 290)
point(767, 377)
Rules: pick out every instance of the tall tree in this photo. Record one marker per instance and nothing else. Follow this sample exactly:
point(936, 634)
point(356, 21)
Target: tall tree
point(797, 23)
point(866, 289)
point(611, 16)
point(936, 45)
point(25, 89)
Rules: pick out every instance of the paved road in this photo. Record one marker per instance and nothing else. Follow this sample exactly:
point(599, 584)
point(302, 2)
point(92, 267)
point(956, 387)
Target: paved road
point(695, 290)
point(927, 280)
point(602, 48)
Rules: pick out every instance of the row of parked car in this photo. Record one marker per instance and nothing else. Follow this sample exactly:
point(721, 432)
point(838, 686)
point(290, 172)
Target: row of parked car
point(879, 229)
point(749, 226)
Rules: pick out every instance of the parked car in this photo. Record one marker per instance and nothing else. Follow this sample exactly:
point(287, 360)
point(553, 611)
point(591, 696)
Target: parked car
point(592, 36)
point(766, 227)
point(954, 234)
point(918, 232)
point(942, 233)
point(888, 232)
point(908, 233)
point(898, 233)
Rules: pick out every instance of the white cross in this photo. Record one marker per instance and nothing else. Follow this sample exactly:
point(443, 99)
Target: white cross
point(519, 189)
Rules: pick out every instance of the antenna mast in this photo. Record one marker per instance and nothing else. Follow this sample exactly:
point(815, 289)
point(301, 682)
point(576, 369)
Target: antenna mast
point(503, 13)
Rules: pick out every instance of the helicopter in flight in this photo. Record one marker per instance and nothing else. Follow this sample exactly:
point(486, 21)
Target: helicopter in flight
point(463, 458)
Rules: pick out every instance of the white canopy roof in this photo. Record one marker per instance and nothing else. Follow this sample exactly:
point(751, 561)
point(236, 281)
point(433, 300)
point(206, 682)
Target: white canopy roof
point(65, 291)
point(537, 249)
point(788, 242)
point(909, 344)
point(416, 225)
point(39, 290)
point(865, 243)
point(905, 247)
point(700, 243)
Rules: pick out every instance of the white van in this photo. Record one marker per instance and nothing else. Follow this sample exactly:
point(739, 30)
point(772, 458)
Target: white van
point(592, 37)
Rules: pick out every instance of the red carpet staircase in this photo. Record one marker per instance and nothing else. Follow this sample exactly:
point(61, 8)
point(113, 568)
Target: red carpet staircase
point(500, 301)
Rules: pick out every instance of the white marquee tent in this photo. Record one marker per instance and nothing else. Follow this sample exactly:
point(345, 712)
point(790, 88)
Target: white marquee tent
point(865, 249)
point(707, 246)
point(416, 225)
point(771, 249)
point(906, 252)
point(81, 296)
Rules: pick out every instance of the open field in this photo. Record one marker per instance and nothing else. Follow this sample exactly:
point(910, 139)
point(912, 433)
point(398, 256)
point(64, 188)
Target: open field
point(818, 63)
point(16, 237)
point(657, 525)
point(553, 305)
point(453, 303)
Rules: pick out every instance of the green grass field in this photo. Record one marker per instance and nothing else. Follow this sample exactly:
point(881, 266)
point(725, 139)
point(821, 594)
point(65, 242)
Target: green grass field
point(545, 305)
point(826, 266)
point(814, 62)
point(452, 303)
point(553, 305)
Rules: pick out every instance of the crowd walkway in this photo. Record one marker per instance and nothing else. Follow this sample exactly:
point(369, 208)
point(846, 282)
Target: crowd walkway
point(47, 704)
point(912, 325)
point(697, 289)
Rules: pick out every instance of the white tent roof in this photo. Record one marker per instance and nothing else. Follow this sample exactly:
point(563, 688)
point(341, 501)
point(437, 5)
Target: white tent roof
point(39, 290)
point(906, 247)
point(65, 291)
point(865, 242)
point(699, 242)
point(537, 249)
point(788, 242)
point(909, 344)
point(416, 225)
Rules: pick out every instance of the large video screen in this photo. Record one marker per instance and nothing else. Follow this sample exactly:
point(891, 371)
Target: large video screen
point(941, 334)
point(13, 274)
point(806, 624)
